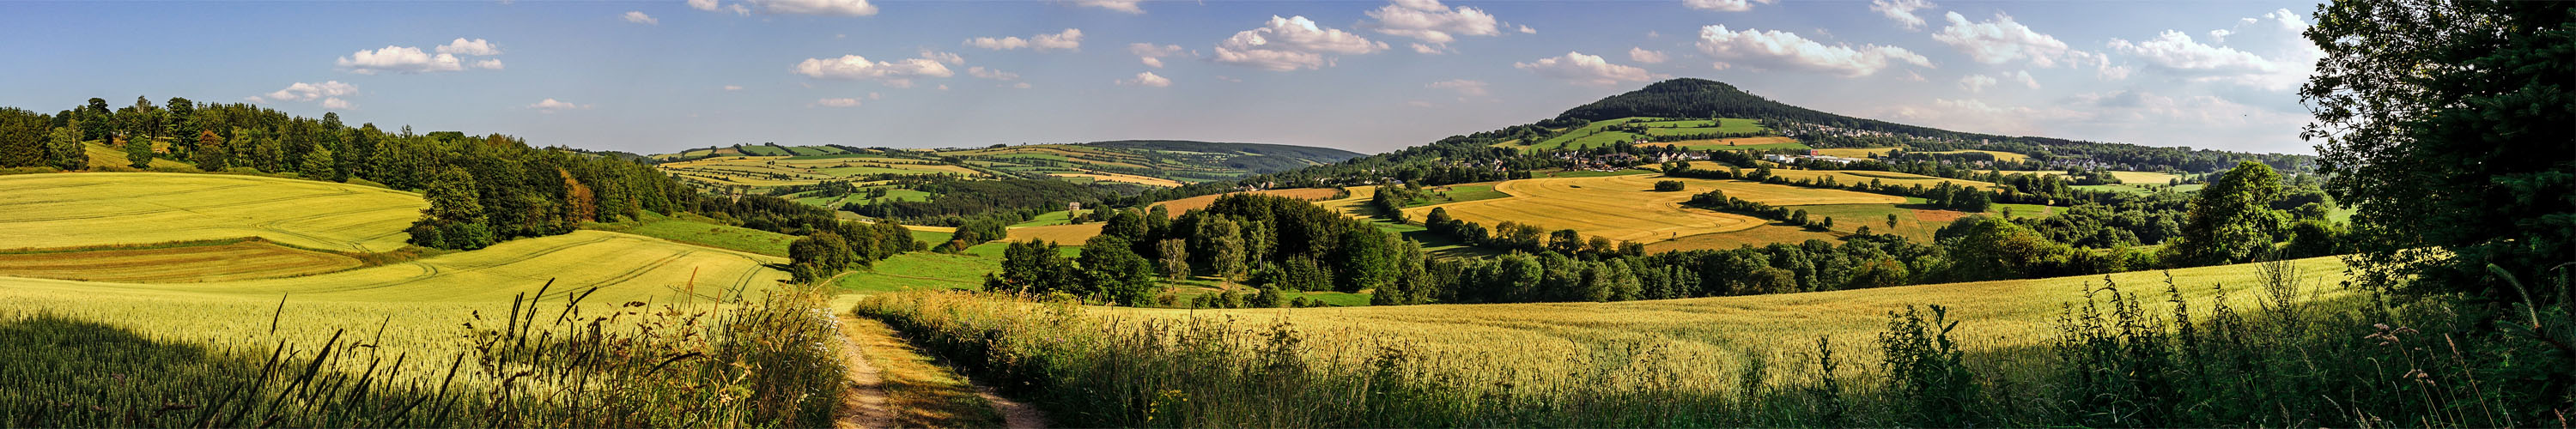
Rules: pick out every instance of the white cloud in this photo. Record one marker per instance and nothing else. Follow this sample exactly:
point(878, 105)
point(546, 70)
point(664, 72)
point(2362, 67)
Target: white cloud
point(1128, 6)
point(1979, 83)
point(1976, 82)
point(640, 18)
point(1069, 39)
point(398, 59)
point(336, 103)
point(1001, 44)
point(1425, 49)
point(2288, 21)
point(2003, 40)
point(733, 87)
point(1584, 69)
point(1285, 44)
point(1152, 55)
point(2176, 53)
point(1464, 88)
point(738, 10)
point(1902, 11)
point(942, 57)
point(2175, 50)
point(1146, 79)
point(2117, 116)
point(2111, 72)
point(469, 47)
point(488, 64)
point(1642, 55)
point(899, 73)
point(985, 73)
point(301, 91)
point(551, 105)
point(876, 96)
point(2219, 35)
point(1723, 5)
point(705, 5)
point(837, 102)
point(1430, 22)
point(1526, 30)
point(1911, 76)
point(814, 7)
point(1787, 50)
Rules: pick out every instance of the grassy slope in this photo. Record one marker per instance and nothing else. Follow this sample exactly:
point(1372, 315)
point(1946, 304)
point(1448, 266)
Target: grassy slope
point(419, 303)
point(700, 231)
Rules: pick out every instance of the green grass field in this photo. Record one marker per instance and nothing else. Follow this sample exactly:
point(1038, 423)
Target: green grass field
point(703, 232)
point(1460, 194)
point(92, 209)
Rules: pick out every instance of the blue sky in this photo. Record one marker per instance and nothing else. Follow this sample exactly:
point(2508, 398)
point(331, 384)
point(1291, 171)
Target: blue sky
point(1368, 76)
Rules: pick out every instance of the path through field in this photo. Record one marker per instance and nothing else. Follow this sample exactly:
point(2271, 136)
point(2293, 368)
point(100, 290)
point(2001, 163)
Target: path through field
point(894, 384)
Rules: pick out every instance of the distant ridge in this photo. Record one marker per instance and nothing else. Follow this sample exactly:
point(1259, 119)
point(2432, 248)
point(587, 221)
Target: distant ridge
point(1256, 157)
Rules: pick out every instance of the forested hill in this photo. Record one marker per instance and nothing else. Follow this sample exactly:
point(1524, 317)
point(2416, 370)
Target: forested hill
point(1702, 98)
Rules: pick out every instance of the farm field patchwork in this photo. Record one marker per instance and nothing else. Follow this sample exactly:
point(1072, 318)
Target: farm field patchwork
point(1184, 205)
point(1596, 133)
point(1855, 152)
point(95, 209)
point(1999, 155)
point(1625, 208)
point(1757, 236)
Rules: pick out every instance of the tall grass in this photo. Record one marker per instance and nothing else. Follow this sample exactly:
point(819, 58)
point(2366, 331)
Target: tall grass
point(747, 362)
point(2110, 363)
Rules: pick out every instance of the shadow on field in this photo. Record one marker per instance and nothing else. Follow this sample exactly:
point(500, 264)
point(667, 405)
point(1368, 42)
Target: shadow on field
point(66, 372)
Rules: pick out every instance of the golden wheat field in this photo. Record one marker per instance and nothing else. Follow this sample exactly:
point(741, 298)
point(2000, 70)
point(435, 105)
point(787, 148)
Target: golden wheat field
point(1717, 335)
point(96, 209)
point(1627, 208)
point(419, 303)
point(212, 261)
point(1070, 235)
point(1847, 177)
